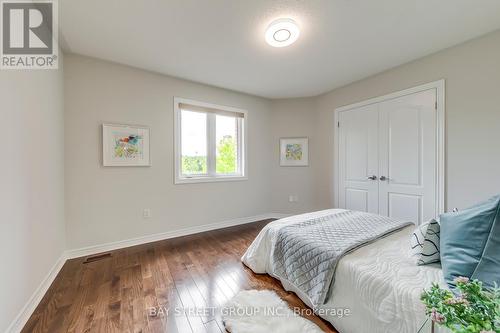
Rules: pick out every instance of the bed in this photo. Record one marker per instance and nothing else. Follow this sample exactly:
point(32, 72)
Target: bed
point(378, 282)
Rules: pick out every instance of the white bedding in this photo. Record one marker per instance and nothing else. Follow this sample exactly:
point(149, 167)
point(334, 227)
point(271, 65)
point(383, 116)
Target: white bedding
point(379, 283)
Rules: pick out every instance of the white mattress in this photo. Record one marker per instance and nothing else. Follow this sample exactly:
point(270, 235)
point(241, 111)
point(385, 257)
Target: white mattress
point(379, 283)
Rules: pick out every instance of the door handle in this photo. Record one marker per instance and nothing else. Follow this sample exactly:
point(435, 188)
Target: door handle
point(372, 177)
point(382, 178)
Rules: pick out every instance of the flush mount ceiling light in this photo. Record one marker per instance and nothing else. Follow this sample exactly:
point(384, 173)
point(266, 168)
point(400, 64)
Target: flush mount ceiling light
point(282, 32)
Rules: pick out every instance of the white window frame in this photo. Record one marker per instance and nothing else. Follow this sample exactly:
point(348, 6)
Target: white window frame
point(211, 175)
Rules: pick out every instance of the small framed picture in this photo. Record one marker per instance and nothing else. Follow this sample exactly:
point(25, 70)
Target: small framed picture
point(125, 145)
point(294, 151)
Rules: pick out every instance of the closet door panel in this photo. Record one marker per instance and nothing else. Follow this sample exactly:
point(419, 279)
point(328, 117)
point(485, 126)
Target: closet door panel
point(358, 152)
point(407, 136)
point(404, 159)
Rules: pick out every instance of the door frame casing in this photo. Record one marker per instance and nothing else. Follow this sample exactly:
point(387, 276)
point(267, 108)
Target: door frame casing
point(440, 135)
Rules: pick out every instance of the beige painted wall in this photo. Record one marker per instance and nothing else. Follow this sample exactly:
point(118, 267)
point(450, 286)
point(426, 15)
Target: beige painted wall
point(32, 189)
point(106, 204)
point(472, 73)
point(294, 118)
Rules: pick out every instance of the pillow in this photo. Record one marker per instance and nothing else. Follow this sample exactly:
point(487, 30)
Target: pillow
point(488, 268)
point(425, 243)
point(417, 241)
point(470, 243)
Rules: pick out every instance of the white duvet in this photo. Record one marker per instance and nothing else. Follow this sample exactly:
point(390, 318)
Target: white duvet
point(379, 283)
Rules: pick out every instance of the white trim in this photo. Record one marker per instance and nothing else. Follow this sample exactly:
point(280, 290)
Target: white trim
point(242, 140)
point(35, 299)
point(441, 137)
point(441, 145)
point(90, 250)
point(210, 179)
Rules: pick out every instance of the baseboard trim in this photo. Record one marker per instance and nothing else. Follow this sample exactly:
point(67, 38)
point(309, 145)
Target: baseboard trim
point(90, 250)
point(28, 309)
point(35, 299)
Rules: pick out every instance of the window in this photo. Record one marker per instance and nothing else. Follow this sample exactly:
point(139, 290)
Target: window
point(210, 142)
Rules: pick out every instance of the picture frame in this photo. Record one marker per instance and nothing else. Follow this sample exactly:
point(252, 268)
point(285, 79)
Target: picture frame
point(125, 145)
point(294, 151)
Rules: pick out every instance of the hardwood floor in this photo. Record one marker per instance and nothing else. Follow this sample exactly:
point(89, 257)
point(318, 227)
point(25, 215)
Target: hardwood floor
point(132, 290)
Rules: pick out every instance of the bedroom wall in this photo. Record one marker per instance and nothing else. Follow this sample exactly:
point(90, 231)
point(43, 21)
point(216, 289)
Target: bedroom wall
point(472, 73)
point(294, 118)
point(106, 204)
point(32, 230)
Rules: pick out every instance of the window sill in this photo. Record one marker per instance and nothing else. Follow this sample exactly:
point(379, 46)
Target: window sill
point(216, 179)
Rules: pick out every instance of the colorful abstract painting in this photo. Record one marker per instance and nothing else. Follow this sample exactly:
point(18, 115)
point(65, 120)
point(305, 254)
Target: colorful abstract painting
point(128, 146)
point(125, 145)
point(294, 152)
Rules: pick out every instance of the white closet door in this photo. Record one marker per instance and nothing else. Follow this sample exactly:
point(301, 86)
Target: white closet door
point(358, 151)
point(407, 163)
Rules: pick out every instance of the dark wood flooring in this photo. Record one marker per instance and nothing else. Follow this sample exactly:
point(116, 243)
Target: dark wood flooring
point(116, 294)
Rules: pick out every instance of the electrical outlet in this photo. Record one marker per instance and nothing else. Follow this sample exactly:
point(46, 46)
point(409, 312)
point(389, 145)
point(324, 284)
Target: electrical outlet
point(146, 213)
point(293, 198)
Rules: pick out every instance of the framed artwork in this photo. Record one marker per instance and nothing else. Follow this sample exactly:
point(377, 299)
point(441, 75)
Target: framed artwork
point(125, 145)
point(294, 151)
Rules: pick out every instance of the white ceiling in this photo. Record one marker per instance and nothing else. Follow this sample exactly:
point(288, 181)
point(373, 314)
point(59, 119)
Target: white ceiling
point(221, 42)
